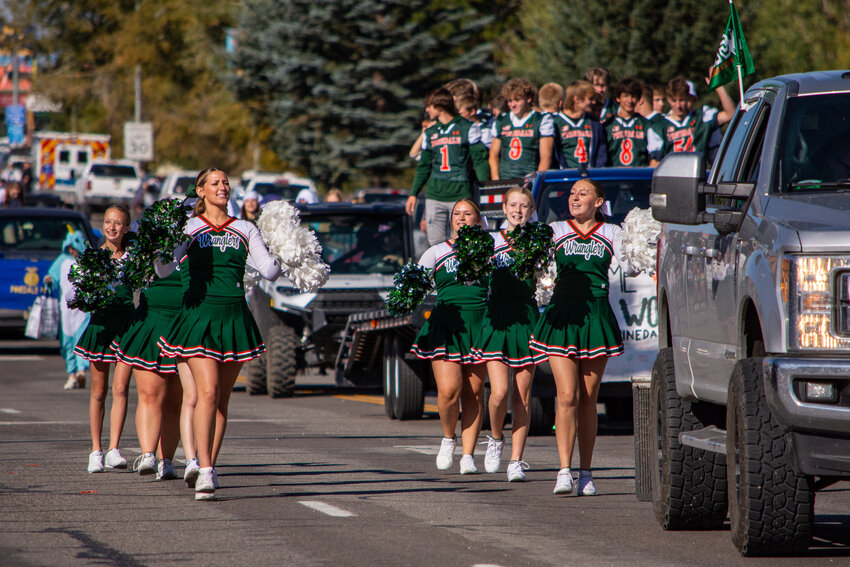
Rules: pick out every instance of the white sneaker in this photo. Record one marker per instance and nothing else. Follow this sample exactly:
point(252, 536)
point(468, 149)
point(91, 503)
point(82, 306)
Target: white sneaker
point(446, 454)
point(467, 465)
point(190, 475)
point(71, 384)
point(114, 460)
point(585, 483)
point(144, 464)
point(493, 456)
point(95, 462)
point(564, 484)
point(165, 470)
point(204, 487)
point(516, 471)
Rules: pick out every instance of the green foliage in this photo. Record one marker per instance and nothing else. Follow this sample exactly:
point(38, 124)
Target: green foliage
point(342, 83)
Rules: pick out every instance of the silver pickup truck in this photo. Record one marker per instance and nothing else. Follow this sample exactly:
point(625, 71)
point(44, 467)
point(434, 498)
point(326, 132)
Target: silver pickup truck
point(750, 393)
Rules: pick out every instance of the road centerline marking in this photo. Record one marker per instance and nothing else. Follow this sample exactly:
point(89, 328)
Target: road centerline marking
point(327, 509)
point(9, 410)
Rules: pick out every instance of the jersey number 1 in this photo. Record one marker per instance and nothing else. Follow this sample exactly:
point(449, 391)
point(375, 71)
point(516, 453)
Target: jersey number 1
point(444, 160)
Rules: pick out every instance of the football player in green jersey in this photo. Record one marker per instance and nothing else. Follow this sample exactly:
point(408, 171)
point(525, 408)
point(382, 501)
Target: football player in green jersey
point(580, 138)
point(522, 139)
point(632, 142)
point(604, 108)
point(686, 129)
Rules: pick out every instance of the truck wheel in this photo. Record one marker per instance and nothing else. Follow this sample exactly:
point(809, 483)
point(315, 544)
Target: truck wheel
point(772, 507)
point(408, 396)
point(280, 361)
point(542, 416)
point(389, 361)
point(688, 484)
point(257, 376)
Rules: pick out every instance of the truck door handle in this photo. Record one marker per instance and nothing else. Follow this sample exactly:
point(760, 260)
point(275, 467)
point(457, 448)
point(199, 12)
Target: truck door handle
point(689, 250)
point(711, 252)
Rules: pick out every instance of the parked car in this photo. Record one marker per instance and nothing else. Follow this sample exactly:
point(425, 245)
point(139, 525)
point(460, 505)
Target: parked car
point(272, 186)
point(30, 239)
point(106, 182)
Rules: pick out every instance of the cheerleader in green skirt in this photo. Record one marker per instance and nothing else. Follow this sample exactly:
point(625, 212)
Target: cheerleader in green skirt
point(446, 340)
point(214, 330)
point(502, 341)
point(104, 325)
point(158, 386)
point(578, 330)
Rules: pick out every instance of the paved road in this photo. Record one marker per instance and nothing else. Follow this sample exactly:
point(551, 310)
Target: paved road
point(324, 480)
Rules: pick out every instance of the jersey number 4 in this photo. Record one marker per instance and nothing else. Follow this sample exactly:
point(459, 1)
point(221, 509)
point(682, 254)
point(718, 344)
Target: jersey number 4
point(581, 151)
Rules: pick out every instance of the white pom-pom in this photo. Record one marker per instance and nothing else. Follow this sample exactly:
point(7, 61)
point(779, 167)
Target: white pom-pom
point(295, 247)
point(640, 239)
point(546, 283)
point(250, 279)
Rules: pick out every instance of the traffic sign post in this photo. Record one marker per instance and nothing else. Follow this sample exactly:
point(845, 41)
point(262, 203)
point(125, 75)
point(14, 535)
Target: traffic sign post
point(138, 141)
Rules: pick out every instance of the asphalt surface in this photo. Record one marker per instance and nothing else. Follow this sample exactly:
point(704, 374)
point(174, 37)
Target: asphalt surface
point(322, 479)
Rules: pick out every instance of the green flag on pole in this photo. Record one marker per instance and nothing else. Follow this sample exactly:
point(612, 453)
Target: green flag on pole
point(732, 54)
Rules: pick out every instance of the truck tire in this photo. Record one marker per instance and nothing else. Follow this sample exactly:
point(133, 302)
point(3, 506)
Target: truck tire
point(257, 376)
point(771, 509)
point(408, 392)
point(541, 416)
point(688, 484)
point(389, 354)
point(280, 361)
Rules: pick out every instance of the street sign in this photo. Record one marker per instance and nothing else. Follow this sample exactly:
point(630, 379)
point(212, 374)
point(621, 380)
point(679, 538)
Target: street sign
point(16, 116)
point(138, 141)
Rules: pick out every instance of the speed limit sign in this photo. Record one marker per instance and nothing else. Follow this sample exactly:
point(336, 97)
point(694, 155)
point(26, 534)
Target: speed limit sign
point(138, 141)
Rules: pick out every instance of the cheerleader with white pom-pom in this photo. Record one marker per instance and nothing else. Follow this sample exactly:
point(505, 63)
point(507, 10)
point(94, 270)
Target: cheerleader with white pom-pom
point(214, 331)
point(578, 330)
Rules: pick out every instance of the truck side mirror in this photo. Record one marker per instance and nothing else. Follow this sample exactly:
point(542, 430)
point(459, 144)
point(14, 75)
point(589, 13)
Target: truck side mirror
point(676, 189)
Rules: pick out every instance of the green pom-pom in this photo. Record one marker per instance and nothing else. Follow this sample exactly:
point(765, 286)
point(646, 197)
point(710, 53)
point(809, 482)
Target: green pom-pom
point(93, 277)
point(160, 233)
point(473, 249)
point(533, 247)
point(411, 284)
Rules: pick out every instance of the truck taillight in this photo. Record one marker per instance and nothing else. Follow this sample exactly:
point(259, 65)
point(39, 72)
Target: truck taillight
point(88, 185)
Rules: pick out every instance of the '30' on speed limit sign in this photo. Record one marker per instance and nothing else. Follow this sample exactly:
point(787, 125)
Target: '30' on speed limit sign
point(138, 141)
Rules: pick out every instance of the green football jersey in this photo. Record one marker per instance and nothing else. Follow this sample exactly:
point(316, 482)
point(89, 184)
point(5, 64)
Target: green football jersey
point(630, 142)
point(576, 139)
point(692, 134)
point(444, 165)
point(520, 138)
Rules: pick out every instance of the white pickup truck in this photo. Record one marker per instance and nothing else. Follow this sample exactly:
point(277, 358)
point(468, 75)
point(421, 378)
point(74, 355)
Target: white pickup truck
point(106, 182)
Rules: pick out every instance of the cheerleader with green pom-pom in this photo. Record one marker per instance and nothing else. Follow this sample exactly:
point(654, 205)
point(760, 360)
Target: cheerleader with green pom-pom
point(446, 340)
point(105, 324)
point(502, 342)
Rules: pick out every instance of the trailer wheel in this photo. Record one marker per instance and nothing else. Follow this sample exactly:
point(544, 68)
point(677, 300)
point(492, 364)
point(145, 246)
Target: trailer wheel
point(280, 361)
point(389, 356)
point(688, 484)
point(542, 414)
point(257, 376)
point(408, 395)
point(771, 509)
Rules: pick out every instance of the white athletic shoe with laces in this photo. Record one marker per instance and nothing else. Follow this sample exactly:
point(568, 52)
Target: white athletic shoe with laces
point(493, 456)
point(114, 460)
point(467, 465)
point(516, 471)
point(204, 487)
point(564, 483)
point(585, 483)
point(190, 475)
point(446, 454)
point(165, 470)
point(95, 462)
point(145, 464)
point(71, 383)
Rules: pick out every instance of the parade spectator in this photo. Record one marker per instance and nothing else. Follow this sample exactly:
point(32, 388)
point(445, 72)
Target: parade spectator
point(603, 109)
point(523, 139)
point(250, 207)
point(335, 195)
point(686, 129)
point(307, 196)
point(448, 147)
point(632, 142)
point(446, 340)
point(580, 138)
point(14, 195)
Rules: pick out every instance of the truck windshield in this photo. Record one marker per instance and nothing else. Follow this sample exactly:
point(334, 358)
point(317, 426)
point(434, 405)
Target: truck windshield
point(359, 244)
point(621, 196)
point(283, 191)
point(39, 233)
point(815, 144)
point(124, 171)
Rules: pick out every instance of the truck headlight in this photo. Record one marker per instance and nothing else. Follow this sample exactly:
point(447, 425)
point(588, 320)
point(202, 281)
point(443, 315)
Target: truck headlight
point(817, 300)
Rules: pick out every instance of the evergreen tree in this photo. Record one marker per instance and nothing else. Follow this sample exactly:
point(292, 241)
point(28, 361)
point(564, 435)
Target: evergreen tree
point(341, 84)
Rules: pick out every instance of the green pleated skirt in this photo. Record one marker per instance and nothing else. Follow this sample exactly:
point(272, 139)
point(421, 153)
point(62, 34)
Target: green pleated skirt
point(103, 327)
point(448, 332)
point(578, 327)
point(225, 332)
point(137, 345)
point(504, 334)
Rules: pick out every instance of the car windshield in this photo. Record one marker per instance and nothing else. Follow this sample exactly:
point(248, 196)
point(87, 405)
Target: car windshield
point(182, 183)
point(39, 233)
point(359, 244)
point(104, 170)
point(815, 143)
point(283, 191)
point(621, 196)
